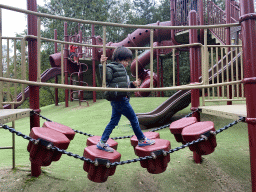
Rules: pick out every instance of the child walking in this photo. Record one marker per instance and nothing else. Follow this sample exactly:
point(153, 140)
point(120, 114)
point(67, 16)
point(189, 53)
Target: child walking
point(116, 76)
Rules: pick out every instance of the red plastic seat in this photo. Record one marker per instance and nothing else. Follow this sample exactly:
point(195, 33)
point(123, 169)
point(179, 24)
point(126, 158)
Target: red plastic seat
point(70, 134)
point(39, 154)
point(176, 127)
point(194, 132)
point(150, 135)
point(95, 139)
point(159, 164)
point(101, 172)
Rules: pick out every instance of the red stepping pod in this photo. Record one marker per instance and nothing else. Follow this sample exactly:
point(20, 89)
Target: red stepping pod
point(159, 164)
point(70, 133)
point(150, 135)
point(197, 130)
point(39, 154)
point(95, 139)
point(176, 127)
point(101, 171)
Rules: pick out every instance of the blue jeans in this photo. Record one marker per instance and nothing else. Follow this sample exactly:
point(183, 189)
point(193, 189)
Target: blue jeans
point(122, 107)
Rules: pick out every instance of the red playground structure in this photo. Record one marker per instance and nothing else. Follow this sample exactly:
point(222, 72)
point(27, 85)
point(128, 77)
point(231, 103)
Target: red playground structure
point(222, 60)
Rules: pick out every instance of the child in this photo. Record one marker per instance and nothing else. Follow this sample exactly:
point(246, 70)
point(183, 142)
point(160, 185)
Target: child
point(72, 50)
point(116, 76)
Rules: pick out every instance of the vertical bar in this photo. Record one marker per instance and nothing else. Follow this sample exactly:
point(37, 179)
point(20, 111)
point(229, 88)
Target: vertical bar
point(8, 70)
point(237, 85)
point(56, 77)
point(232, 73)
point(217, 70)
point(227, 73)
point(206, 61)
point(213, 94)
point(248, 27)
point(242, 72)
point(38, 49)
point(104, 53)
point(173, 66)
point(222, 73)
point(137, 68)
point(13, 142)
point(66, 53)
point(178, 68)
point(158, 67)
point(32, 58)
point(202, 68)
point(23, 59)
point(151, 57)
point(62, 63)
point(93, 63)
point(1, 63)
point(23, 65)
point(15, 72)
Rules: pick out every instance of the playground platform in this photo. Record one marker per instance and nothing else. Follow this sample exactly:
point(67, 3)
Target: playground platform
point(9, 115)
point(226, 111)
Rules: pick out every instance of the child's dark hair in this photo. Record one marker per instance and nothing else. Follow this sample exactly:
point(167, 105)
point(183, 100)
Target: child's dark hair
point(121, 53)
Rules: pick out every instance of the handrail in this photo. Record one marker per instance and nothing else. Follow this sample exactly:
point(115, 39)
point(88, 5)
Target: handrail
point(88, 88)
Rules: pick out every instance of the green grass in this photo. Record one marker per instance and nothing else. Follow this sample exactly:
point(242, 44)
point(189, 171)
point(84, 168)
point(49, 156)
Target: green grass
point(226, 169)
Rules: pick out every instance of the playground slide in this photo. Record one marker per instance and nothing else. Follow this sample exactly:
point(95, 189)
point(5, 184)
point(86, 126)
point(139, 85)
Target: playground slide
point(178, 101)
point(163, 113)
point(45, 76)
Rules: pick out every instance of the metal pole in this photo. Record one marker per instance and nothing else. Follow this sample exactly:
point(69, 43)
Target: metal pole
point(93, 63)
point(194, 74)
point(178, 67)
point(151, 57)
point(158, 69)
point(80, 74)
point(228, 42)
point(66, 62)
point(32, 60)
point(1, 64)
point(201, 19)
point(56, 77)
point(248, 27)
point(13, 142)
point(104, 53)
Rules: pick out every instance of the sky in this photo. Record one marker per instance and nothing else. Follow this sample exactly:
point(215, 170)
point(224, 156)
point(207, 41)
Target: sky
point(14, 22)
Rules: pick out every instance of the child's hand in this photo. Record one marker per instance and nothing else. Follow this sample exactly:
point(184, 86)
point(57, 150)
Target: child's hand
point(137, 83)
point(103, 59)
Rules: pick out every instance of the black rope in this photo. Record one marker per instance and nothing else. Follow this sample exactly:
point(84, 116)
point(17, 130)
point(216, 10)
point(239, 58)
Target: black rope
point(12, 130)
point(241, 119)
point(77, 131)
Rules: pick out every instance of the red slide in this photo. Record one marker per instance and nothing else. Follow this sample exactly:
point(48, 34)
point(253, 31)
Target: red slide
point(45, 76)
